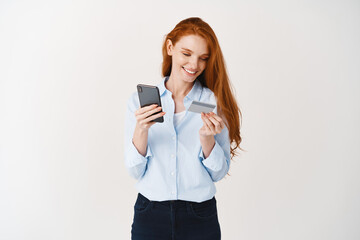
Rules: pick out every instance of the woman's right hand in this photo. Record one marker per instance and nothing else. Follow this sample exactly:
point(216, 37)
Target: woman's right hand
point(143, 116)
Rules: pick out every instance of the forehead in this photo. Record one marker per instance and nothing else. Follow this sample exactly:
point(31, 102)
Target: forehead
point(194, 43)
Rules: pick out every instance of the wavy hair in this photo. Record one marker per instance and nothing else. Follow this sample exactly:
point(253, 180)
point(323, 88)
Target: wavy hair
point(214, 76)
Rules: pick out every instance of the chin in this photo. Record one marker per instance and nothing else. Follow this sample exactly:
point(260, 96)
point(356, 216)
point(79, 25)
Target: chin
point(188, 78)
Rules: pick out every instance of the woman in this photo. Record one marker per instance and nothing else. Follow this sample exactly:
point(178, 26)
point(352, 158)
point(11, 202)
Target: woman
point(177, 162)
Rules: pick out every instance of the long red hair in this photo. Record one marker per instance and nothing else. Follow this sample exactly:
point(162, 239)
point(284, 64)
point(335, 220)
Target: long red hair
point(214, 76)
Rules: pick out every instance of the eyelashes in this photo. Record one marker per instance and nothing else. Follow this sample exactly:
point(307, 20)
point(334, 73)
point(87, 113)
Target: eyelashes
point(188, 55)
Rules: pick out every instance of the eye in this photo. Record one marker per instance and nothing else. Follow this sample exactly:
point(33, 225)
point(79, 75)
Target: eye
point(188, 55)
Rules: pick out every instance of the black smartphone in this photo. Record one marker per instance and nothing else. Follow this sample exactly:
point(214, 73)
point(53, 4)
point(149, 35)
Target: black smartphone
point(149, 95)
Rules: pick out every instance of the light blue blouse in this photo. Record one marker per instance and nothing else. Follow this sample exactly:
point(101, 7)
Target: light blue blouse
point(174, 167)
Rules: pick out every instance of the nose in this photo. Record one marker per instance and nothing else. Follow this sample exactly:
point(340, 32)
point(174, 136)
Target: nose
point(194, 63)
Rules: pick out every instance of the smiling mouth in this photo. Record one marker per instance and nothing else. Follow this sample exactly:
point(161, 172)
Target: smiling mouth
point(188, 71)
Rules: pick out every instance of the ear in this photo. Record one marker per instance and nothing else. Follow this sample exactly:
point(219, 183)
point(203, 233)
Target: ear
point(169, 47)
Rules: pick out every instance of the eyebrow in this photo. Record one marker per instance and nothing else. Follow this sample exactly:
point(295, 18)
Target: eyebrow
point(192, 51)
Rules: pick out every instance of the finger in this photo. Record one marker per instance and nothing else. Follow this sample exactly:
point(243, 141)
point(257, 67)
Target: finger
point(150, 112)
point(141, 110)
point(210, 125)
point(154, 117)
point(203, 117)
point(216, 124)
point(219, 119)
point(147, 121)
point(146, 114)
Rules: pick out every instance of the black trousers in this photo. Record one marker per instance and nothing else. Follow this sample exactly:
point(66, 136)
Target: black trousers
point(175, 220)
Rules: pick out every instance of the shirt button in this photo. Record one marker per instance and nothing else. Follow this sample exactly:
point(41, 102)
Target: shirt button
point(172, 155)
point(172, 173)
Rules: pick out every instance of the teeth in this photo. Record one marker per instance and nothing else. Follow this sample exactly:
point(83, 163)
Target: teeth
point(188, 71)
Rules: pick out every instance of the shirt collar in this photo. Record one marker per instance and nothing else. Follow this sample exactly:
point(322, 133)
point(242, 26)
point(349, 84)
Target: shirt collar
point(194, 93)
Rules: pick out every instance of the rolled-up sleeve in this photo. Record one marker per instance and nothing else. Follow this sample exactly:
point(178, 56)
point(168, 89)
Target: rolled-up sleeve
point(218, 162)
point(135, 163)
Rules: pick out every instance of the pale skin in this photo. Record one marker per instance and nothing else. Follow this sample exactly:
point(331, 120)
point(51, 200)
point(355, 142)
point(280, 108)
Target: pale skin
point(189, 56)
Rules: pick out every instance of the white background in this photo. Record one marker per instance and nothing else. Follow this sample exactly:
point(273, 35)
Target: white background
point(68, 67)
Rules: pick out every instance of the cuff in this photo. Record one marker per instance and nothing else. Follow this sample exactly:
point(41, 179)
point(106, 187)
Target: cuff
point(137, 157)
point(215, 160)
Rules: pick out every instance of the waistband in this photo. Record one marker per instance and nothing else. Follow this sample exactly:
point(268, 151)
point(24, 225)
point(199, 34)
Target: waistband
point(176, 203)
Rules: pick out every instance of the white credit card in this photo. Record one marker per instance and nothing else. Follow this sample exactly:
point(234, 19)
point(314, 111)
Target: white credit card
point(199, 107)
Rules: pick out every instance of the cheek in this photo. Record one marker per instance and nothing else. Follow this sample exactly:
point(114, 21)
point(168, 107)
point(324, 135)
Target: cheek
point(203, 65)
point(180, 60)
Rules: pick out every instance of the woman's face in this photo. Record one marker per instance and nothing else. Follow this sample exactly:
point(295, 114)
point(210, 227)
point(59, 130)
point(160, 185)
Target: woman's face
point(189, 57)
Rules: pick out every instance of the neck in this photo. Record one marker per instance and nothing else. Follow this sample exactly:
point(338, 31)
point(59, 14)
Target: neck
point(178, 87)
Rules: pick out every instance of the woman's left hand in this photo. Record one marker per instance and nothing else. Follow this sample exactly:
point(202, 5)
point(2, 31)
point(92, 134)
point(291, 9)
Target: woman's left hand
point(213, 124)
